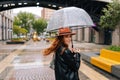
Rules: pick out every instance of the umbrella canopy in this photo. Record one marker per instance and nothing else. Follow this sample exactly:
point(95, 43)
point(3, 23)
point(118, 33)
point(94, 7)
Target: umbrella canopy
point(69, 17)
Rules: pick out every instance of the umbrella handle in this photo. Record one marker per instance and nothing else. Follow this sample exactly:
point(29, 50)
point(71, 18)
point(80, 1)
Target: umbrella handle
point(72, 42)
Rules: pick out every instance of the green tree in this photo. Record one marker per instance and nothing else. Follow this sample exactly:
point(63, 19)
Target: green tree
point(39, 25)
point(16, 30)
point(111, 17)
point(16, 21)
point(23, 31)
point(24, 19)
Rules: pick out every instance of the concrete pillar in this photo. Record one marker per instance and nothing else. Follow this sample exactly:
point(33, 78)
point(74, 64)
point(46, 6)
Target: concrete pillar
point(74, 37)
point(79, 35)
point(115, 37)
point(76, 34)
point(83, 34)
point(4, 27)
point(6, 30)
point(0, 27)
point(101, 37)
point(96, 37)
point(87, 35)
point(0, 33)
point(11, 29)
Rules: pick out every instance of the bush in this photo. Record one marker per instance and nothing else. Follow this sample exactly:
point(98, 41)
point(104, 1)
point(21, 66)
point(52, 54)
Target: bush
point(17, 39)
point(50, 39)
point(114, 48)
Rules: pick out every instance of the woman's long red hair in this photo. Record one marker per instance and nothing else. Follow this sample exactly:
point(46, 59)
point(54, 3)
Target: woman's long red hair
point(55, 45)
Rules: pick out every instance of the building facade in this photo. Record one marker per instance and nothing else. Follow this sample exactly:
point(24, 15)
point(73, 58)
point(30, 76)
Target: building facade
point(6, 24)
point(90, 35)
point(46, 13)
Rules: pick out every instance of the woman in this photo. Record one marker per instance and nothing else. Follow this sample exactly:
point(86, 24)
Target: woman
point(67, 62)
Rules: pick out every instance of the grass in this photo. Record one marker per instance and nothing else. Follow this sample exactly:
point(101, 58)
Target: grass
point(114, 48)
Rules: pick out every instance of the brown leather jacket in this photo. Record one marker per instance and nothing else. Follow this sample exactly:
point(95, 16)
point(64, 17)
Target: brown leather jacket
point(66, 65)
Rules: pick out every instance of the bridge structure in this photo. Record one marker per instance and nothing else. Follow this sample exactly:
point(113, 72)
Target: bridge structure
point(93, 7)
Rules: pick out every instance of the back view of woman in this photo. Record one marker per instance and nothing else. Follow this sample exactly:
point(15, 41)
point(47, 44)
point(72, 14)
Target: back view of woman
point(67, 62)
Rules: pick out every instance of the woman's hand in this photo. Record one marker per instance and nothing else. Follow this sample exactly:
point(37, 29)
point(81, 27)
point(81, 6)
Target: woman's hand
point(75, 50)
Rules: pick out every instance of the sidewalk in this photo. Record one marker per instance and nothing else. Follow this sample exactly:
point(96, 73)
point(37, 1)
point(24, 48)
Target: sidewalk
point(29, 63)
point(2, 42)
point(88, 47)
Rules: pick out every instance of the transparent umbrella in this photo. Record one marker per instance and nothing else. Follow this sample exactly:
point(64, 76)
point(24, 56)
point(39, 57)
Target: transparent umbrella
point(69, 17)
point(72, 17)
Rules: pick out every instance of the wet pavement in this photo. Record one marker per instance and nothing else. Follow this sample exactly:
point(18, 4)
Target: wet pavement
point(28, 63)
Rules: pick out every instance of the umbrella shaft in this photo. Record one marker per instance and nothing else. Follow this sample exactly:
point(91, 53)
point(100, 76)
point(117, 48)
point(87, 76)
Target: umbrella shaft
point(72, 42)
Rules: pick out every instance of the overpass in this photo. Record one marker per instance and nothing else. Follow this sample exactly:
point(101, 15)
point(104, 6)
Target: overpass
point(93, 7)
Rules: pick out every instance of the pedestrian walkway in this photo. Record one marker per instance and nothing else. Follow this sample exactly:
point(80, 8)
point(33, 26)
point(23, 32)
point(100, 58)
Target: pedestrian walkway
point(2, 43)
point(35, 73)
point(28, 63)
point(87, 47)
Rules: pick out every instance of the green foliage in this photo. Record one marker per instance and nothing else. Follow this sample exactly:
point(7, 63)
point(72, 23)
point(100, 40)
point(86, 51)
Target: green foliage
point(114, 48)
point(24, 19)
point(16, 30)
point(39, 25)
point(16, 39)
point(19, 39)
point(16, 21)
point(23, 31)
point(111, 16)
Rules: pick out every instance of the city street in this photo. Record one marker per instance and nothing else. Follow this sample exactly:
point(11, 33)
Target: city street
point(26, 62)
point(27, 27)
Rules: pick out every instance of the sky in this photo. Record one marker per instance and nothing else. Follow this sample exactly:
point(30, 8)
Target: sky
point(34, 10)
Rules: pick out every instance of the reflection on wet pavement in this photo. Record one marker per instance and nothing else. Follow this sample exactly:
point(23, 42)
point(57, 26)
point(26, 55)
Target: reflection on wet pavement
point(30, 64)
point(31, 67)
